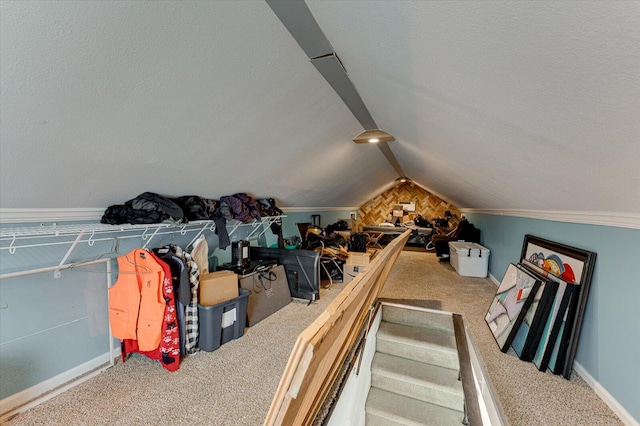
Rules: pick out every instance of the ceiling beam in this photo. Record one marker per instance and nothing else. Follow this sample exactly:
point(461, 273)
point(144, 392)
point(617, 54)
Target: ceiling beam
point(298, 20)
point(332, 70)
point(386, 151)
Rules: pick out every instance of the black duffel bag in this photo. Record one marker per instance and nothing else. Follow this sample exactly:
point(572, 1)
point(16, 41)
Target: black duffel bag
point(358, 242)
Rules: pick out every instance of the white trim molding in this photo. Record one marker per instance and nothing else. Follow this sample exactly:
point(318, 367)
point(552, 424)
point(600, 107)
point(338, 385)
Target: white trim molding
point(619, 220)
point(615, 406)
point(50, 215)
point(316, 209)
point(10, 215)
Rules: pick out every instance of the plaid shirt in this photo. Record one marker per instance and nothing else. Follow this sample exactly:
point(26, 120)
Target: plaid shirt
point(191, 310)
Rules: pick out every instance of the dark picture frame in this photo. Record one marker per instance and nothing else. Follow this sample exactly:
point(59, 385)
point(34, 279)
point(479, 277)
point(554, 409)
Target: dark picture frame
point(528, 336)
point(570, 264)
point(510, 304)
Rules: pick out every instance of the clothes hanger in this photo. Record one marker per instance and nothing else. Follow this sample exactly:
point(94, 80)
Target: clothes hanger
point(115, 249)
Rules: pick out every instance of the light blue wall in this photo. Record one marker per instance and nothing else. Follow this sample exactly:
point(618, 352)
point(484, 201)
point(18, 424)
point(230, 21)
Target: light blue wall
point(49, 326)
point(609, 347)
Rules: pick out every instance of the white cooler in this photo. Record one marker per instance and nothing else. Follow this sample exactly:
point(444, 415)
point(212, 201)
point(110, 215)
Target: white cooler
point(469, 259)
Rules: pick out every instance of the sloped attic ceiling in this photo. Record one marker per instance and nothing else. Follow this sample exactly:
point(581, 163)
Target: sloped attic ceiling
point(104, 100)
point(508, 105)
point(502, 105)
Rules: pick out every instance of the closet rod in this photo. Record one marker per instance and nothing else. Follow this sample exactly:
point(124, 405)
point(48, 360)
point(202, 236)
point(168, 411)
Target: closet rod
point(52, 268)
point(67, 242)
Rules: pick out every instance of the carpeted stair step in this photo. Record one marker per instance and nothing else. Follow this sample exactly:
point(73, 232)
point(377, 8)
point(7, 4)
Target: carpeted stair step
point(431, 346)
point(417, 380)
point(389, 409)
point(417, 318)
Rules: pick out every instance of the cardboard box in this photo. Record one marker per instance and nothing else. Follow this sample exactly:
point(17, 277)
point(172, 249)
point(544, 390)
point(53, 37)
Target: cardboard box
point(217, 287)
point(346, 234)
point(222, 322)
point(350, 272)
point(358, 258)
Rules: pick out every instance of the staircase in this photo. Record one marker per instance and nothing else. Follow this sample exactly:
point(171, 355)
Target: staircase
point(415, 370)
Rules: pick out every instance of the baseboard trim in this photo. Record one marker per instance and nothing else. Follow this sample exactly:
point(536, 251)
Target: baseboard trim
point(608, 399)
point(47, 389)
point(494, 280)
point(619, 220)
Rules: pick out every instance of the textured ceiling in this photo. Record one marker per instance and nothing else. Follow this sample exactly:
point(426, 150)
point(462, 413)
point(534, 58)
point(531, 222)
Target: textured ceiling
point(504, 105)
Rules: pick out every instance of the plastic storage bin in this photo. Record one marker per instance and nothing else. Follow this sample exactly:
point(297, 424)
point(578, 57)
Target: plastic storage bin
point(222, 322)
point(469, 259)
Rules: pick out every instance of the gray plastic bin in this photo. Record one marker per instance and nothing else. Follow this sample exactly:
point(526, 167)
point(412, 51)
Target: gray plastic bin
point(212, 333)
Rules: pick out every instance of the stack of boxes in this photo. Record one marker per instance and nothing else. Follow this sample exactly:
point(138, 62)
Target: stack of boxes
point(356, 263)
point(222, 309)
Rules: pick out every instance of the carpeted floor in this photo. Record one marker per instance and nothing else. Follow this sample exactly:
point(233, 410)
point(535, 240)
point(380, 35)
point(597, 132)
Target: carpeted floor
point(234, 385)
point(528, 397)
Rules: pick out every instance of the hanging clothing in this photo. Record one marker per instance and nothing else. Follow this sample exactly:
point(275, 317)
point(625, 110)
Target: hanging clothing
point(191, 310)
point(179, 273)
point(267, 208)
point(136, 303)
point(200, 254)
point(221, 231)
point(168, 351)
point(181, 288)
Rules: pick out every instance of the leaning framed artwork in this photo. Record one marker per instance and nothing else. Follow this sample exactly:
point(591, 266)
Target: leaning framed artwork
point(571, 265)
point(510, 304)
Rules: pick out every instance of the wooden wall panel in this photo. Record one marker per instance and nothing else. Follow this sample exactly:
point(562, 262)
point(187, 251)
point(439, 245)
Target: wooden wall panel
point(429, 206)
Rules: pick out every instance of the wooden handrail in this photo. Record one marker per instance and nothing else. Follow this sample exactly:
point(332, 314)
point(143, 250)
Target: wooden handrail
point(472, 414)
point(322, 348)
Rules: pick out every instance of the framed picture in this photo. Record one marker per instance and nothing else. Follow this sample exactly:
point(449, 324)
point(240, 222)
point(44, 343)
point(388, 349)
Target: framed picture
point(509, 306)
point(551, 357)
point(571, 265)
point(553, 324)
point(409, 206)
point(530, 331)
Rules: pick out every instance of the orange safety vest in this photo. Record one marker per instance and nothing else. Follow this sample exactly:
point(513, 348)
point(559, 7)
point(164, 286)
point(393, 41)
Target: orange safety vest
point(136, 303)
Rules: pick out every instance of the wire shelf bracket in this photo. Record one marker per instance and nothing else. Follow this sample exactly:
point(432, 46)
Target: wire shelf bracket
point(12, 239)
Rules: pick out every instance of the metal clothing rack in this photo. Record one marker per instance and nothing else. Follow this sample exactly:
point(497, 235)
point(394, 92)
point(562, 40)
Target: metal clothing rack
point(12, 239)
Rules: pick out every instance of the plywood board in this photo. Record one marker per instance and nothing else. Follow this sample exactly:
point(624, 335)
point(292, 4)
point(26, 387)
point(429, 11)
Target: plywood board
point(321, 349)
